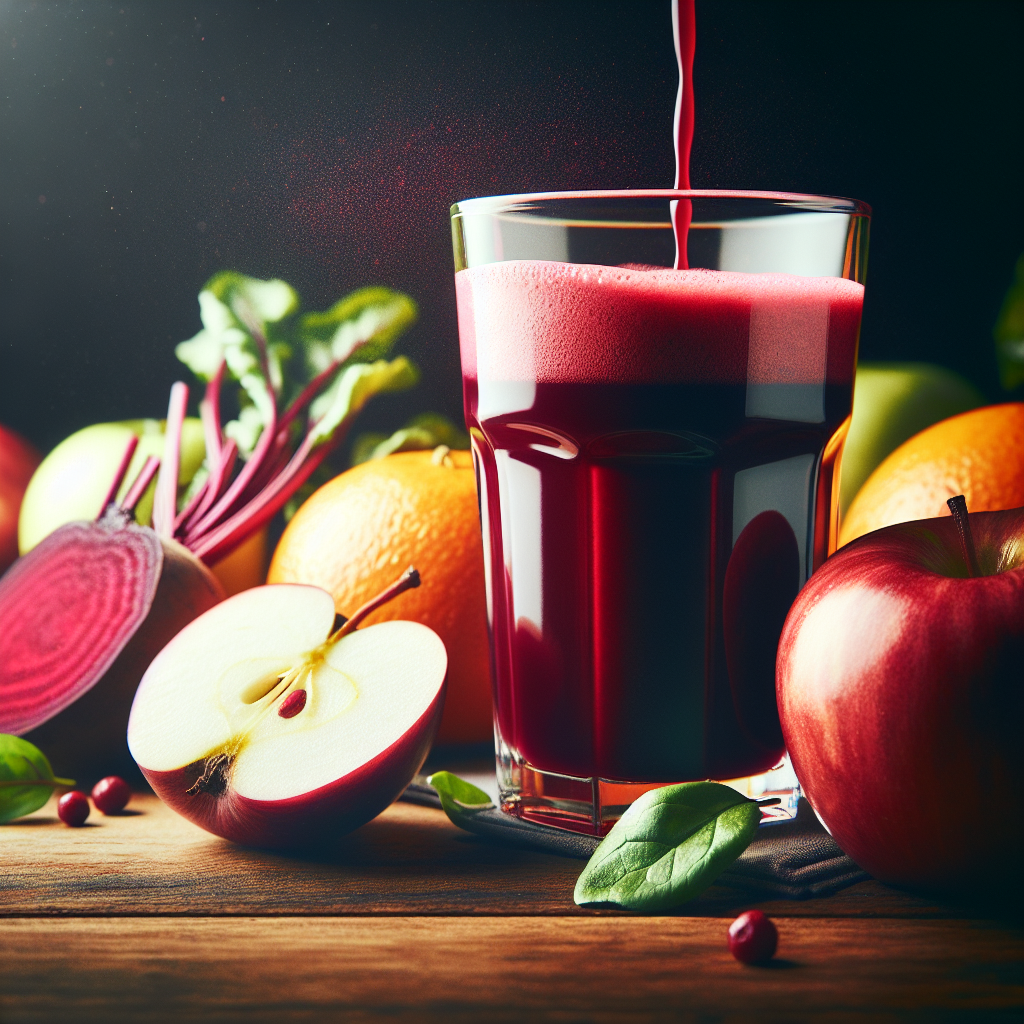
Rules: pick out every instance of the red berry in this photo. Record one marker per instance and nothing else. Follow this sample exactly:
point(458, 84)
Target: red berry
point(753, 938)
point(73, 808)
point(111, 794)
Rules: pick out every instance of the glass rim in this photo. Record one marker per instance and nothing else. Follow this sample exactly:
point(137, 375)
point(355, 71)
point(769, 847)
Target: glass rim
point(795, 200)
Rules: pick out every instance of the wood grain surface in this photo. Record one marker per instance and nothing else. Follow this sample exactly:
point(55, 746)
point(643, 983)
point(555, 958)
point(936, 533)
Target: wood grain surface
point(500, 969)
point(410, 860)
point(144, 917)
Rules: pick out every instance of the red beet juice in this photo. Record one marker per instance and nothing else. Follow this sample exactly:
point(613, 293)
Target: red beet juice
point(655, 450)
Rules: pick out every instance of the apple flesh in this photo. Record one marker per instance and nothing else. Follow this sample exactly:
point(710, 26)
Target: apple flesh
point(901, 700)
point(208, 732)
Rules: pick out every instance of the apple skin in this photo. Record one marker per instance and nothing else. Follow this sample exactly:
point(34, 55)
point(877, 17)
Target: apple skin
point(325, 813)
point(900, 695)
point(74, 478)
point(18, 461)
point(891, 403)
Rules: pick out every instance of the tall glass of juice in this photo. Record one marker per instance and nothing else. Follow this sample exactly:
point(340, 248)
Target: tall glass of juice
point(657, 456)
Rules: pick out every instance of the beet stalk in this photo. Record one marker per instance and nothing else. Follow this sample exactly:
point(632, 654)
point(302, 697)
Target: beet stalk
point(86, 610)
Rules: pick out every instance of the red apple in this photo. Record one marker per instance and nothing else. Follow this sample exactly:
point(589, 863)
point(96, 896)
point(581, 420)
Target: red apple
point(264, 726)
point(18, 461)
point(901, 695)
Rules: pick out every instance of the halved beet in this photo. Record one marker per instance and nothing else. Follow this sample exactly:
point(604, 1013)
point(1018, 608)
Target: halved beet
point(83, 615)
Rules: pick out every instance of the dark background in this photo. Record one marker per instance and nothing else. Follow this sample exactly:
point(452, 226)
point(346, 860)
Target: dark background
point(145, 145)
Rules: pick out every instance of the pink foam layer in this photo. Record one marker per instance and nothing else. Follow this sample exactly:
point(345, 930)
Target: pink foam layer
point(576, 323)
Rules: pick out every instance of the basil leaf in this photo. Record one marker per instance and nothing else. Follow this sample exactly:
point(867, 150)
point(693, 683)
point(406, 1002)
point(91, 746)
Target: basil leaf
point(1009, 332)
point(669, 846)
point(26, 778)
point(460, 799)
point(354, 387)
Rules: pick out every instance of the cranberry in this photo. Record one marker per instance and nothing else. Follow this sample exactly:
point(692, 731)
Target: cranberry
point(111, 794)
point(753, 938)
point(73, 808)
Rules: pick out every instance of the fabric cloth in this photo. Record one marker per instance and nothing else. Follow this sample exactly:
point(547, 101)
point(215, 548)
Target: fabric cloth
point(794, 859)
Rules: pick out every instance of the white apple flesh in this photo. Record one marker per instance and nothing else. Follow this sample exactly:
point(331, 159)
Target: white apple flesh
point(207, 732)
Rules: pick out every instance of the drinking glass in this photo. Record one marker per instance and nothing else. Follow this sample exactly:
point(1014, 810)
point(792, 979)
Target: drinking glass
point(657, 456)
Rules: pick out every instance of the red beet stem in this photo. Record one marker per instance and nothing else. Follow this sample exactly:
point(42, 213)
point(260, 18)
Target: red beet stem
point(223, 539)
point(407, 581)
point(209, 410)
point(122, 472)
point(310, 391)
point(230, 501)
point(141, 482)
point(165, 501)
point(212, 489)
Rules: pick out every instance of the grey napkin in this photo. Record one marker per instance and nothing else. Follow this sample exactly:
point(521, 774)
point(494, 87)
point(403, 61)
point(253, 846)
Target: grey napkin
point(795, 859)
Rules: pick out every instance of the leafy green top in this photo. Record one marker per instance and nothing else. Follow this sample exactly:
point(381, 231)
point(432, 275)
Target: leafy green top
point(303, 378)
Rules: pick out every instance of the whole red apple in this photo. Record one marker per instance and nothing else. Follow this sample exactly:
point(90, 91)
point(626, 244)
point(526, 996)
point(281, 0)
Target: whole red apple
point(901, 694)
point(18, 461)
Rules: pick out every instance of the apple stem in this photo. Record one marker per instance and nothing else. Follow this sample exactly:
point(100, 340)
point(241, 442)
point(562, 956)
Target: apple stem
point(122, 472)
point(141, 482)
point(958, 507)
point(407, 581)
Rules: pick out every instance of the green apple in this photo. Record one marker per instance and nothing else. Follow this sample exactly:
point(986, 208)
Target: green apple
point(74, 478)
point(891, 403)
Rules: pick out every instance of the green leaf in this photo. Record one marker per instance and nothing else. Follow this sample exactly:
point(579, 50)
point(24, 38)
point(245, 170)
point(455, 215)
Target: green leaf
point(370, 318)
point(238, 313)
point(26, 778)
point(669, 846)
point(354, 387)
point(253, 301)
point(460, 799)
point(1009, 332)
point(428, 430)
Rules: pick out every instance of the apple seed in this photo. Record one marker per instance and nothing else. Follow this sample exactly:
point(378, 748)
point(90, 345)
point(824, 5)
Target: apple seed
point(292, 704)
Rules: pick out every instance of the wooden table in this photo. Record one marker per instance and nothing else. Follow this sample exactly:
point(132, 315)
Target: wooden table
point(144, 917)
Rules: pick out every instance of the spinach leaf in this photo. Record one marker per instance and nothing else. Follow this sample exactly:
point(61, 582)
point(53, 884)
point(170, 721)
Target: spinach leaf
point(26, 778)
point(669, 846)
point(460, 799)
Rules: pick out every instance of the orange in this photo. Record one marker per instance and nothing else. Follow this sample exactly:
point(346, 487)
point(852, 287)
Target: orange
point(362, 529)
point(979, 454)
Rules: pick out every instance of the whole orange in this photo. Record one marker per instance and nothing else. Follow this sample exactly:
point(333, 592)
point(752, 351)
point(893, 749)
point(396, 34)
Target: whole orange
point(358, 532)
point(979, 454)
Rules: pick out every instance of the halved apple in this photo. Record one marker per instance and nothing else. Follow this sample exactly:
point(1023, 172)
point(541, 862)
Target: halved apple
point(262, 724)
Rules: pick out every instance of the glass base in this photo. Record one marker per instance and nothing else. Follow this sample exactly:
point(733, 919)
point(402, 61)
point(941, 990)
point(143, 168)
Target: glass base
point(592, 806)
